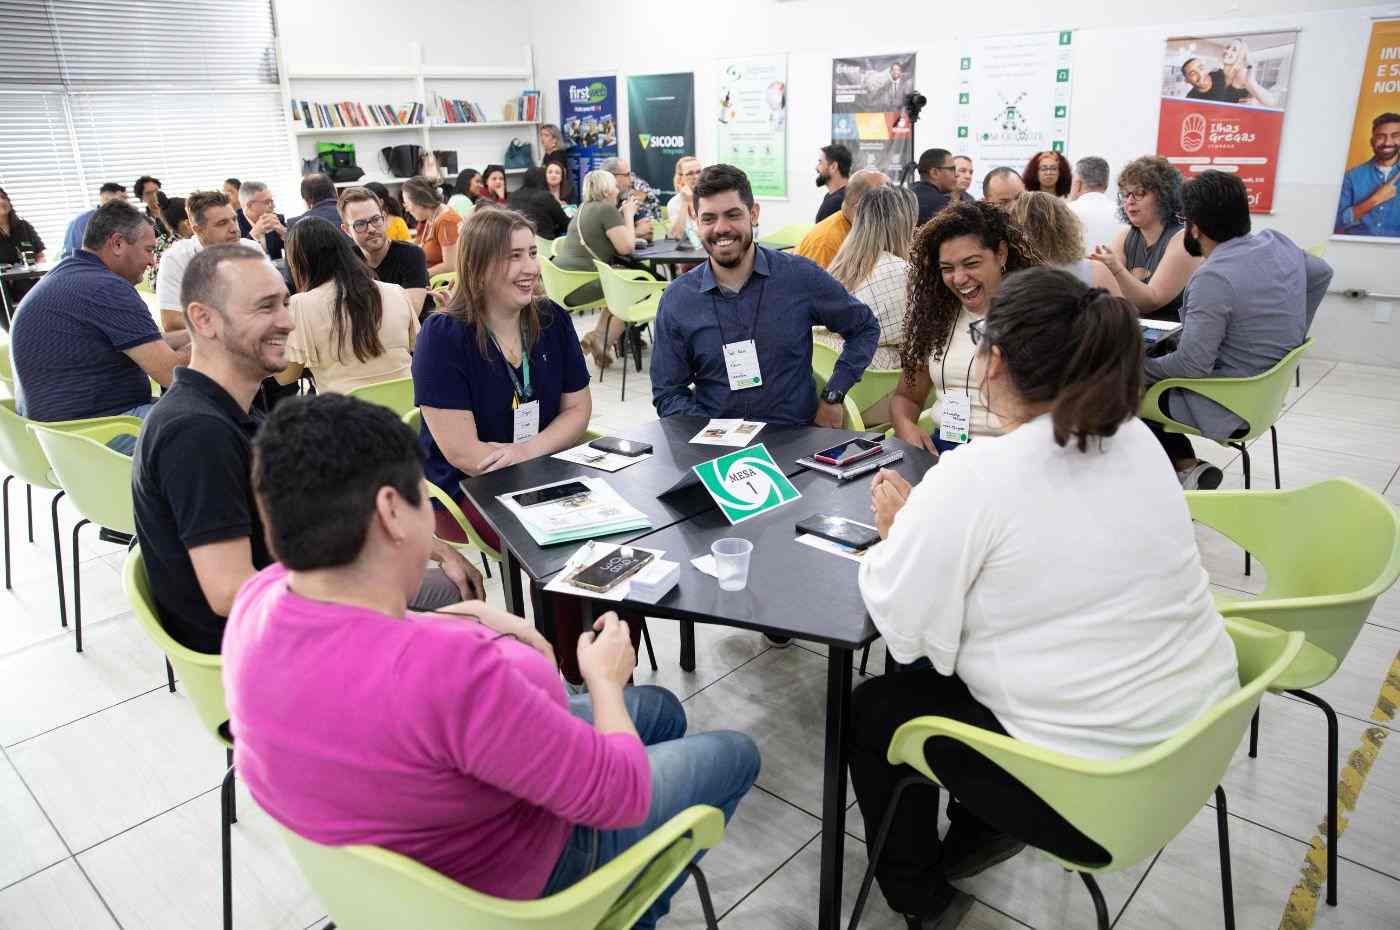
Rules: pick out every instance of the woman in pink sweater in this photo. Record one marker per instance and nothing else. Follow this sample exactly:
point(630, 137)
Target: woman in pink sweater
point(449, 739)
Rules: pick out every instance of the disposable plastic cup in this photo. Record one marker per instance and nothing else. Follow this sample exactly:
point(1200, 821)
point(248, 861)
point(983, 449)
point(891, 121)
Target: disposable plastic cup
point(732, 562)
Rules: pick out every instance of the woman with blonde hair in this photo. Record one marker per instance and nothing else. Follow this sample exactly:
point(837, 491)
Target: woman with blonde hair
point(680, 211)
point(1053, 230)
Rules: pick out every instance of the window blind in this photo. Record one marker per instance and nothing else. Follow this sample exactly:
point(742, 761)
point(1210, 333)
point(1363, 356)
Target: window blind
point(185, 90)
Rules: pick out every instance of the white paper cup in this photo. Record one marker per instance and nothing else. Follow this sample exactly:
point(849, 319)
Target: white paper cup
point(732, 562)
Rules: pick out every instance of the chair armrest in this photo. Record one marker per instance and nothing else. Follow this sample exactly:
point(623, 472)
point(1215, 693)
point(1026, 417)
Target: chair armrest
point(655, 861)
point(106, 432)
point(448, 504)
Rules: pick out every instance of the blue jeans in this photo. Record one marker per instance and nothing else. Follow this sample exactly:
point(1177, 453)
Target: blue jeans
point(709, 768)
point(126, 443)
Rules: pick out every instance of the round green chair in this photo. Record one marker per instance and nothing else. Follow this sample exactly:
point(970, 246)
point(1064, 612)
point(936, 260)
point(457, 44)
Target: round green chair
point(632, 296)
point(397, 395)
point(786, 237)
point(559, 283)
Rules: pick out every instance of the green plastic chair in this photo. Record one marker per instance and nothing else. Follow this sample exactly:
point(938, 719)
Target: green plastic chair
point(1164, 787)
point(874, 385)
point(852, 419)
point(559, 283)
point(786, 237)
point(369, 888)
point(1330, 550)
point(24, 458)
point(397, 395)
point(443, 279)
point(544, 248)
point(632, 296)
point(7, 371)
point(1258, 400)
point(413, 418)
point(98, 482)
point(202, 676)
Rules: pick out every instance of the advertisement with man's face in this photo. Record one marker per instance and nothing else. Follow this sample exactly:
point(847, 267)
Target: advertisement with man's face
point(1223, 100)
point(868, 113)
point(1368, 207)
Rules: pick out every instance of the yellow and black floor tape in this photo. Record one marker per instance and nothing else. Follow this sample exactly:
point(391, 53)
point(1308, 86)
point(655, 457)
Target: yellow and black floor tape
point(1301, 907)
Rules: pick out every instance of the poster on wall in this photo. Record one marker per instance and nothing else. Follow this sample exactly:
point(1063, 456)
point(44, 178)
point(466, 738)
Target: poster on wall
point(660, 125)
point(1223, 99)
point(751, 113)
point(588, 120)
point(1013, 99)
point(1368, 208)
point(867, 110)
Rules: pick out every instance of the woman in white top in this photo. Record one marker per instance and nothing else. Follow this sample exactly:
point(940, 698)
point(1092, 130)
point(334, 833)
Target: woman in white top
point(1067, 607)
point(1052, 229)
point(679, 210)
point(955, 267)
point(350, 329)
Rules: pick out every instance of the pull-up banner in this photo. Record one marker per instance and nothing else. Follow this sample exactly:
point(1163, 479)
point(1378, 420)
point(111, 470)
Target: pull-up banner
point(752, 121)
point(1369, 206)
point(660, 125)
point(867, 110)
point(588, 121)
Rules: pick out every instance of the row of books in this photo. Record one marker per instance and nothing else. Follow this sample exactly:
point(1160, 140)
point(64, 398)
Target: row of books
point(459, 111)
point(527, 105)
point(313, 115)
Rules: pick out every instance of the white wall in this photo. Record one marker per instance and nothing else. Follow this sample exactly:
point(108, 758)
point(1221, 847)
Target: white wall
point(1114, 112)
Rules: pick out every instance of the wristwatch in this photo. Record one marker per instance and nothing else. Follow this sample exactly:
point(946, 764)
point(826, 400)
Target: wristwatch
point(832, 397)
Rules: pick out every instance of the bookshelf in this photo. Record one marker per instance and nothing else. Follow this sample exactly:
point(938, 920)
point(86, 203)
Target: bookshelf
point(416, 81)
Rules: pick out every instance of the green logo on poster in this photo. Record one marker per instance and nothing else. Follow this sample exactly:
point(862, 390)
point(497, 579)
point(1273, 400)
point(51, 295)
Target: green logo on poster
point(597, 92)
point(962, 132)
point(1060, 111)
point(1065, 37)
point(1057, 146)
point(644, 139)
point(964, 98)
point(745, 483)
point(1061, 76)
point(965, 64)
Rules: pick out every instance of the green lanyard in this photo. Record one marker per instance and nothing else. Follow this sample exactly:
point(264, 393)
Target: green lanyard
point(523, 392)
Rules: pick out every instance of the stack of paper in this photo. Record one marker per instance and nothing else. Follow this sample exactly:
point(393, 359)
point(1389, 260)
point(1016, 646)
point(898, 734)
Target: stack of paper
point(600, 512)
point(596, 458)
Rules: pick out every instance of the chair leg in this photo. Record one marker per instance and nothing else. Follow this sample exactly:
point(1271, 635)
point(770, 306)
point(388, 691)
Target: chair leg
point(1227, 885)
point(1273, 438)
point(232, 795)
point(702, 888)
point(29, 503)
point(58, 562)
point(6, 494)
point(77, 588)
point(864, 660)
point(636, 332)
point(1100, 908)
point(1331, 790)
point(1244, 453)
point(1254, 735)
point(485, 565)
point(646, 638)
point(170, 676)
point(622, 356)
point(879, 844)
point(226, 839)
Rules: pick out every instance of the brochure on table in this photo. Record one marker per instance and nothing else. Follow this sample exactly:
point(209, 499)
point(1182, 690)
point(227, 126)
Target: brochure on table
point(597, 458)
point(648, 584)
point(728, 433)
point(746, 483)
point(600, 512)
point(830, 545)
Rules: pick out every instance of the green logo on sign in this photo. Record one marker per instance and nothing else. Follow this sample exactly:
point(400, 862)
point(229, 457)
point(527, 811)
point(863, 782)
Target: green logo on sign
point(597, 92)
point(962, 132)
point(745, 483)
point(1057, 146)
point(1060, 112)
point(965, 64)
point(1065, 38)
point(1061, 76)
point(964, 98)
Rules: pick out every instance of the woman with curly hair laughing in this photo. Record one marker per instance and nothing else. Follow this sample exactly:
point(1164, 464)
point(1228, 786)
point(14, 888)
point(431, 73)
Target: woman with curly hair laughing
point(955, 266)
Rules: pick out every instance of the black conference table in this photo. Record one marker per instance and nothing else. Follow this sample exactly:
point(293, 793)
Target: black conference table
point(17, 273)
point(794, 590)
point(670, 252)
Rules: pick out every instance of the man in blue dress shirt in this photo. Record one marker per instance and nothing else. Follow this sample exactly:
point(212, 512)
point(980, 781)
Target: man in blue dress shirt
point(73, 239)
point(1368, 206)
point(734, 335)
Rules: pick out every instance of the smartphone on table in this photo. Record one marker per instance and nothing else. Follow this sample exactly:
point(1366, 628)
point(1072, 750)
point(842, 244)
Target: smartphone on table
point(857, 536)
point(627, 447)
point(613, 568)
point(849, 452)
point(555, 492)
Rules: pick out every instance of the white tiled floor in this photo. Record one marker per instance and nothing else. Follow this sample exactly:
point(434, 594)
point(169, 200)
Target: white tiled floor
point(109, 810)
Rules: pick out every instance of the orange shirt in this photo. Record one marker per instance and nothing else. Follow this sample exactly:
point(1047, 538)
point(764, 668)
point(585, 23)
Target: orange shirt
point(823, 240)
point(437, 232)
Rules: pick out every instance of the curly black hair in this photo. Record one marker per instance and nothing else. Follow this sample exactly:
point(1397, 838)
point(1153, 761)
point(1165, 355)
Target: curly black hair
point(318, 465)
point(932, 307)
point(1154, 174)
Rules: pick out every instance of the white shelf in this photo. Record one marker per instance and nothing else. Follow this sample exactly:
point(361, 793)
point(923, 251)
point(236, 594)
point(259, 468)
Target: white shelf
point(382, 74)
point(382, 179)
point(345, 130)
point(475, 74)
point(487, 124)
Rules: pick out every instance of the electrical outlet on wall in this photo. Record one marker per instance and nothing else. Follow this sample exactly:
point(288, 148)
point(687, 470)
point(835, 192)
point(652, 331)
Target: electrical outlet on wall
point(1382, 311)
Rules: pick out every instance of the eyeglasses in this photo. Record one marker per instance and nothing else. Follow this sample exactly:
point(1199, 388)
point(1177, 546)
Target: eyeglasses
point(373, 222)
point(1127, 196)
point(945, 168)
point(976, 330)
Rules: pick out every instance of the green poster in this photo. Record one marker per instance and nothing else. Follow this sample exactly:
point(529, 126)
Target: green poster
point(745, 483)
point(752, 117)
point(661, 126)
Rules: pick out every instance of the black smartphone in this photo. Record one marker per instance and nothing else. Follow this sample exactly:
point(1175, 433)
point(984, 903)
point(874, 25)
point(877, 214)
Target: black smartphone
point(627, 447)
point(611, 569)
point(849, 452)
point(555, 492)
point(839, 529)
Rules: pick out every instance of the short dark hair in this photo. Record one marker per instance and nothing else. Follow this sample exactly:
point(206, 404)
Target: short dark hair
point(202, 282)
point(234, 183)
point(142, 181)
point(1155, 174)
point(996, 173)
point(840, 156)
point(318, 465)
point(113, 217)
point(719, 179)
point(111, 187)
point(1384, 118)
point(1218, 203)
point(175, 213)
point(1069, 345)
point(199, 201)
point(316, 187)
point(932, 158)
point(1185, 63)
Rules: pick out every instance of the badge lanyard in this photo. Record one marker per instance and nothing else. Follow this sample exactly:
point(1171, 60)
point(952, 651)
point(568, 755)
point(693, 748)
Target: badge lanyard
point(523, 392)
point(719, 321)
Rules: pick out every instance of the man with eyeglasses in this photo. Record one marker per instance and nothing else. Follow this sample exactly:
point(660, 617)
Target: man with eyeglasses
point(394, 262)
point(259, 219)
point(629, 185)
point(938, 180)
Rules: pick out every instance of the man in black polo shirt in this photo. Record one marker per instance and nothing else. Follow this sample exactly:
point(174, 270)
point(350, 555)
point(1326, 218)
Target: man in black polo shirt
point(196, 517)
point(401, 263)
point(938, 179)
point(833, 171)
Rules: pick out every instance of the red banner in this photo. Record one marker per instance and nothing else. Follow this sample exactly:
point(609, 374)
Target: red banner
point(1196, 135)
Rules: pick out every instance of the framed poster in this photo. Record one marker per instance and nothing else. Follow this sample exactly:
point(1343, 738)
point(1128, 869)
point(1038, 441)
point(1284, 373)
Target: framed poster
point(867, 110)
point(588, 121)
point(751, 115)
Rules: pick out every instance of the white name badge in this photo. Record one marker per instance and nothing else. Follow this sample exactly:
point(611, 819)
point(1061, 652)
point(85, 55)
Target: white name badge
point(527, 422)
point(957, 412)
point(741, 359)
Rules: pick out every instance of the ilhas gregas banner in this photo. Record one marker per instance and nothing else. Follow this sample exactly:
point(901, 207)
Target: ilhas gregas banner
point(588, 121)
point(1223, 100)
point(660, 125)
